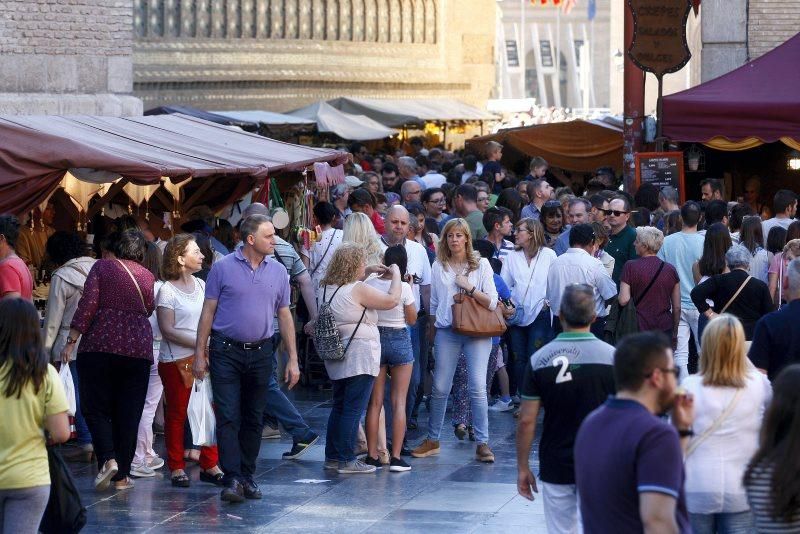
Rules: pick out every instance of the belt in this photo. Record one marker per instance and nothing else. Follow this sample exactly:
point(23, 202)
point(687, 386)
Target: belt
point(245, 345)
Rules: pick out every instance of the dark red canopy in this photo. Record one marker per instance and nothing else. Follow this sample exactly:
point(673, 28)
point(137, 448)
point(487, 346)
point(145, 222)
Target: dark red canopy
point(760, 99)
point(37, 151)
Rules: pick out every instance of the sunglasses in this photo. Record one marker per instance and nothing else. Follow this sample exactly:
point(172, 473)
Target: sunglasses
point(615, 213)
point(674, 370)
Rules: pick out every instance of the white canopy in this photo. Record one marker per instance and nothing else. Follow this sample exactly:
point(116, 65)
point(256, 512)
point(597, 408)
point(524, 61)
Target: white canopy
point(396, 113)
point(264, 117)
point(352, 127)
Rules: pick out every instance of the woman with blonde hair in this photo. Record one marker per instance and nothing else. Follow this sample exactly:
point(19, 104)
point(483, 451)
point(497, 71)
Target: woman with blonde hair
point(525, 272)
point(730, 397)
point(458, 269)
point(355, 306)
point(358, 229)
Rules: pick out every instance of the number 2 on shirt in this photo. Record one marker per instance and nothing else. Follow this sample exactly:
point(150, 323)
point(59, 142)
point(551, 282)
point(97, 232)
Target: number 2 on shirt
point(563, 374)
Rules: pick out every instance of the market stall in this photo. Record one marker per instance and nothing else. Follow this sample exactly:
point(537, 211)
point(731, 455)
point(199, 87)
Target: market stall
point(39, 152)
point(348, 126)
point(577, 146)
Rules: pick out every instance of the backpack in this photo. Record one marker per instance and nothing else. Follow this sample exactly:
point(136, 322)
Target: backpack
point(326, 334)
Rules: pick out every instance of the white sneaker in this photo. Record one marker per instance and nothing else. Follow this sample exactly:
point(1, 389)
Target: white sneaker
point(103, 478)
point(270, 433)
point(142, 471)
point(156, 463)
point(502, 406)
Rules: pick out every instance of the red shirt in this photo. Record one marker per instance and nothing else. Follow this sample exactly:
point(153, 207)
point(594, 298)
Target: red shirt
point(15, 278)
point(654, 311)
point(377, 222)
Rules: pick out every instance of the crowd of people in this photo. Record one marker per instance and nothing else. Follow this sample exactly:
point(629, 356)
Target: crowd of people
point(658, 339)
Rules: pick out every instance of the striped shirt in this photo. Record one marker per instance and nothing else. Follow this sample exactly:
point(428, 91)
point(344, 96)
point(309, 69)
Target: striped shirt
point(758, 494)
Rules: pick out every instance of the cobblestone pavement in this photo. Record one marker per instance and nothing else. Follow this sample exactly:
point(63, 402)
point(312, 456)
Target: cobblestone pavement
point(447, 493)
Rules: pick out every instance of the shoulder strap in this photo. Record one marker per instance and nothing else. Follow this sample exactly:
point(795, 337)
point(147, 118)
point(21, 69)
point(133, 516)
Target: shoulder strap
point(363, 313)
point(135, 283)
point(325, 290)
point(735, 294)
point(333, 235)
point(715, 425)
point(653, 281)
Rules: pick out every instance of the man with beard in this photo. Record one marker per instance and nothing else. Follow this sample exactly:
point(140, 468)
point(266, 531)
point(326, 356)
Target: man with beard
point(629, 461)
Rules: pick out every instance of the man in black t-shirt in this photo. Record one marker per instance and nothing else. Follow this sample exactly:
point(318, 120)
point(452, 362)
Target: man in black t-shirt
point(569, 377)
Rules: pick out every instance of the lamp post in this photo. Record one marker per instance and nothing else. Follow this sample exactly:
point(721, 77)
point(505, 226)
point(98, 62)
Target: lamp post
point(633, 108)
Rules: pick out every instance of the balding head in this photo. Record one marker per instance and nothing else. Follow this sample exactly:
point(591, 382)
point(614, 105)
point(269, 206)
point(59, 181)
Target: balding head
point(256, 208)
point(396, 224)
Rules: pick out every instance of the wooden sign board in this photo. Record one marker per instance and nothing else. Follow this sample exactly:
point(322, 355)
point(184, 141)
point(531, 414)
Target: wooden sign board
point(661, 169)
point(659, 35)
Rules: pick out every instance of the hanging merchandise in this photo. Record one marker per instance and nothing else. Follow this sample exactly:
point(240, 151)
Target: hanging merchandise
point(280, 219)
point(327, 176)
point(174, 190)
point(305, 235)
point(140, 194)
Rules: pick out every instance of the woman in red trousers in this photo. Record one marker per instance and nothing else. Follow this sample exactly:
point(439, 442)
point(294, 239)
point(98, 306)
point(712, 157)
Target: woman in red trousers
point(179, 303)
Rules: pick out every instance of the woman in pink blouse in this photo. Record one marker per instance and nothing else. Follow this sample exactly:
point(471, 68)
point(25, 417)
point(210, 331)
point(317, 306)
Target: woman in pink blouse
point(116, 353)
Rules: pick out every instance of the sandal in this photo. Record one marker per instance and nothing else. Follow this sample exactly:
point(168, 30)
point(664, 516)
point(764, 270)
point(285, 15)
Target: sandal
point(217, 479)
point(180, 481)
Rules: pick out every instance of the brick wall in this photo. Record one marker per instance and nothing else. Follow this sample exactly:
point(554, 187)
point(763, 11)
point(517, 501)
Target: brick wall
point(771, 22)
point(66, 27)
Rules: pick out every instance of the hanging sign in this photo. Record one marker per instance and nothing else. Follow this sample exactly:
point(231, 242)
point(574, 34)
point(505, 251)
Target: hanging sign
point(659, 35)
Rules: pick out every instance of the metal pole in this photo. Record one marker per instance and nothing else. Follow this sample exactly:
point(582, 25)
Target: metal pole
point(521, 53)
point(633, 108)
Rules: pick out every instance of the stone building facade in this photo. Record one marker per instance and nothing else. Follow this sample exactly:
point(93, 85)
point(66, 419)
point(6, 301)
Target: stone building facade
point(736, 31)
point(283, 54)
point(67, 57)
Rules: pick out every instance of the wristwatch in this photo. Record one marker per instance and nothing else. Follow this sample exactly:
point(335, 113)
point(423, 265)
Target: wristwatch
point(71, 340)
point(686, 432)
point(471, 291)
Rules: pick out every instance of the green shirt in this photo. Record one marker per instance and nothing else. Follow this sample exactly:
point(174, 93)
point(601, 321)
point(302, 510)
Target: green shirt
point(620, 247)
point(475, 222)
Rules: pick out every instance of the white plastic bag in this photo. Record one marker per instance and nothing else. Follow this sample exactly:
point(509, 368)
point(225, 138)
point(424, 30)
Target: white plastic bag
point(201, 414)
point(69, 388)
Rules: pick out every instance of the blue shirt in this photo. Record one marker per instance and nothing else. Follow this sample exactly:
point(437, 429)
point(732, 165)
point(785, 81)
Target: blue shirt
point(531, 211)
point(502, 293)
point(247, 299)
point(562, 243)
point(681, 250)
point(623, 450)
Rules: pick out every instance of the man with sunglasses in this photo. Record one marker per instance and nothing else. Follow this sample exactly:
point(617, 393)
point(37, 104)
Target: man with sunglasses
point(628, 460)
point(620, 242)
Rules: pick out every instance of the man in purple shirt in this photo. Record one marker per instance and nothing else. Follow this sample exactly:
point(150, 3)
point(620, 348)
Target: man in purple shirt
point(244, 291)
point(628, 461)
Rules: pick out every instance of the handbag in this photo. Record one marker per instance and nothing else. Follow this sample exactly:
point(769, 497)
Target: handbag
point(519, 311)
point(64, 513)
point(623, 320)
point(472, 319)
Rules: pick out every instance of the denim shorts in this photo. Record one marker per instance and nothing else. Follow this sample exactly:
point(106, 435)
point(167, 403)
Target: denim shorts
point(395, 346)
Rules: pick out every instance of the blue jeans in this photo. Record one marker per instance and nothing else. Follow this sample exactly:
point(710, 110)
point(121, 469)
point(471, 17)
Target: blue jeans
point(81, 429)
point(350, 399)
point(702, 321)
point(240, 382)
point(525, 340)
point(281, 410)
point(723, 523)
point(449, 346)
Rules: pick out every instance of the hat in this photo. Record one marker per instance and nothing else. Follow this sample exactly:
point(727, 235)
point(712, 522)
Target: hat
point(352, 181)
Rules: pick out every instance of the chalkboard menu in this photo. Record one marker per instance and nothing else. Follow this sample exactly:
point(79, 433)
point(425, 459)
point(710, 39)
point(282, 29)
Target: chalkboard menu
point(661, 169)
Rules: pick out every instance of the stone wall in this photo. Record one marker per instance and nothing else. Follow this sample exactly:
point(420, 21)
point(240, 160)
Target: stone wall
point(771, 23)
point(283, 54)
point(67, 57)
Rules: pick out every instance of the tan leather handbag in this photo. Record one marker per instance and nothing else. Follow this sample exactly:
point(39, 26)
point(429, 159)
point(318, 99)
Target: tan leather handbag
point(473, 320)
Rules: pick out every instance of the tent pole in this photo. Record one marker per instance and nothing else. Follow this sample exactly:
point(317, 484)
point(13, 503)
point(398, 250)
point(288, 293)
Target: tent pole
point(633, 108)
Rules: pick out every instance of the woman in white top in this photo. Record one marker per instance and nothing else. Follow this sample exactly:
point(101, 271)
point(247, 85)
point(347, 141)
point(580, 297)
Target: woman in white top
point(730, 397)
point(354, 305)
point(525, 273)
point(752, 237)
point(397, 358)
point(317, 258)
point(145, 460)
point(458, 268)
point(179, 303)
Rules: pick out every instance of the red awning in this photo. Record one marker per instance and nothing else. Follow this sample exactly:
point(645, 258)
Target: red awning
point(758, 101)
point(37, 151)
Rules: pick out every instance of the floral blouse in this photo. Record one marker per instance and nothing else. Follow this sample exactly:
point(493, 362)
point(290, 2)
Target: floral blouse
point(111, 315)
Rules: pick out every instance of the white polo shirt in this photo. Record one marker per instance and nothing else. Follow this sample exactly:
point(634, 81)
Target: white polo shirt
point(417, 265)
point(576, 266)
